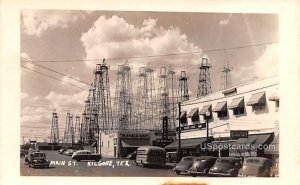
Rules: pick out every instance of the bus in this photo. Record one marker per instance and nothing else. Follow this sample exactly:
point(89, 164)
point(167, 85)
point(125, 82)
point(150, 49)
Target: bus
point(150, 155)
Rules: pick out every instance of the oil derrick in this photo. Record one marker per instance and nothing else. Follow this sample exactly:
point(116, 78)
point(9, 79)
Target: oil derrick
point(69, 130)
point(88, 119)
point(124, 99)
point(146, 110)
point(204, 85)
point(54, 138)
point(225, 76)
point(77, 129)
point(102, 98)
point(183, 87)
point(173, 97)
point(164, 107)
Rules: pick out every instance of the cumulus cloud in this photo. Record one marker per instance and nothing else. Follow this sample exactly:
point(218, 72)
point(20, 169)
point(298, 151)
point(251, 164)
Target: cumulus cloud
point(67, 99)
point(113, 37)
point(265, 66)
point(35, 22)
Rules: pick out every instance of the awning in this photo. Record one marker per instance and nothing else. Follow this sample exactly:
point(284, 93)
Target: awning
point(193, 112)
point(186, 143)
point(274, 97)
point(244, 146)
point(183, 115)
point(220, 145)
point(273, 147)
point(256, 99)
point(257, 139)
point(236, 103)
point(134, 143)
point(205, 109)
point(220, 106)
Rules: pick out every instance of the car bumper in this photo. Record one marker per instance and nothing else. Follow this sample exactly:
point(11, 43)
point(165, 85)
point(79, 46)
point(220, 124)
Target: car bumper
point(220, 174)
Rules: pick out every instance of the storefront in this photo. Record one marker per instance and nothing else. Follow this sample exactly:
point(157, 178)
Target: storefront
point(129, 142)
point(193, 146)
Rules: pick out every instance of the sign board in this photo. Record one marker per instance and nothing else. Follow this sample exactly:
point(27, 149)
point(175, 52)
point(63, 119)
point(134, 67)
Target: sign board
point(133, 135)
point(236, 134)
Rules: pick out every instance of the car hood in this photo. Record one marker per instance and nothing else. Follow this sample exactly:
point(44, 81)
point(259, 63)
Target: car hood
point(199, 166)
point(184, 165)
point(222, 168)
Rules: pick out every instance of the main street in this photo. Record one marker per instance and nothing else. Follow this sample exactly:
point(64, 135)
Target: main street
point(62, 165)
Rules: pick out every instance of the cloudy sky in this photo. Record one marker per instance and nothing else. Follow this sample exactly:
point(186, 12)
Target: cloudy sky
point(64, 36)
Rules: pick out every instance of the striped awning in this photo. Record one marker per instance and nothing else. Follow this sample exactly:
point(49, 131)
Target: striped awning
point(205, 109)
point(274, 97)
point(193, 112)
point(183, 114)
point(220, 106)
point(256, 99)
point(236, 103)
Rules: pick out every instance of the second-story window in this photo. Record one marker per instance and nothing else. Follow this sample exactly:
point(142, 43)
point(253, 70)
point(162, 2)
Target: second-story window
point(237, 106)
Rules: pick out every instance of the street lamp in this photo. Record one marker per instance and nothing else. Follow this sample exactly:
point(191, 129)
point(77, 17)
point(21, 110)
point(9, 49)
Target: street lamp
point(207, 115)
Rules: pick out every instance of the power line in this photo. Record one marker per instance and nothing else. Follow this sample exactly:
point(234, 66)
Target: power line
point(28, 61)
point(53, 78)
point(162, 55)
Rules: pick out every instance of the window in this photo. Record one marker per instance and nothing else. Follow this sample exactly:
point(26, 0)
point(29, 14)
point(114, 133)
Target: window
point(195, 118)
point(102, 144)
point(222, 114)
point(239, 110)
point(115, 141)
point(107, 143)
point(257, 101)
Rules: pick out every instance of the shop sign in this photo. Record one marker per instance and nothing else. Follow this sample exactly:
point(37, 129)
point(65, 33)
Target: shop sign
point(236, 134)
point(133, 135)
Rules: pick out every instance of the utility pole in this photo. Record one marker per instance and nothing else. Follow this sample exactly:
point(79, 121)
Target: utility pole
point(179, 133)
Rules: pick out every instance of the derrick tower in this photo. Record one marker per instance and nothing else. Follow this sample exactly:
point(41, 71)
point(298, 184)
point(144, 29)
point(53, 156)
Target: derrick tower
point(146, 107)
point(164, 106)
point(173, 97)
point(103, 99)
point(54, 138)
point(183, 87)
point(124, 99)
point(225, 76)
point(204, 85)
point(77, 129)
point(69, 130)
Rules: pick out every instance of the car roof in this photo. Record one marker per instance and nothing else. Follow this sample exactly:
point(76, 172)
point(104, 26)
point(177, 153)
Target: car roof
point(259, 158)
point(206, 157)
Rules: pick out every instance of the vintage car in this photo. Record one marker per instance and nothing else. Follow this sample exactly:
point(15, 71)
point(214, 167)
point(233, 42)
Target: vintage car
point(256, 167)
point(131, 156)
point(69, 152)
point(171, 157)
point(81, 155)
point(184, 165)
point(37, 159)
point(60, 151)
point(202, 165)
point(226, 166)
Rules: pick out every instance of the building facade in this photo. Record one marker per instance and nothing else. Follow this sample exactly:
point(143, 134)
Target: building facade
point(241, 121)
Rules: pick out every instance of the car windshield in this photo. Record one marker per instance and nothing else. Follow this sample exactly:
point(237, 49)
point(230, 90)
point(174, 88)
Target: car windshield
point(187, 159)
point(254, 161)
point(201, 160)
point(224, 161)
point(38, 155)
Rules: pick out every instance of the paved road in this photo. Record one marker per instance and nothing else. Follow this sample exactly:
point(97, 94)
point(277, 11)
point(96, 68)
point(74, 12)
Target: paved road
point(62, 165)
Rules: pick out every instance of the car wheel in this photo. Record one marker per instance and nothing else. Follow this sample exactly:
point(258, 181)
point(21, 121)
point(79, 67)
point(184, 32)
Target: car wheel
point(177, 172)
point(193, 175)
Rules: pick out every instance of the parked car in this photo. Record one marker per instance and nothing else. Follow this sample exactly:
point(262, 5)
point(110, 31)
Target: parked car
point(150, 155)
point(69, 152)
point(184, 165)
point(81, 155)
point(37, 159)
point(60, 151)
point(257, 167)
point(131, 156)
point(171, 157)
point(226, 166)
point(202, 165)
